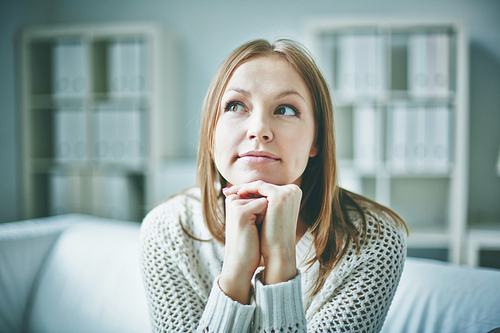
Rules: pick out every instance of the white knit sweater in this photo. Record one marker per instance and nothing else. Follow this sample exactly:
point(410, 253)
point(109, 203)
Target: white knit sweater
point(181, 274)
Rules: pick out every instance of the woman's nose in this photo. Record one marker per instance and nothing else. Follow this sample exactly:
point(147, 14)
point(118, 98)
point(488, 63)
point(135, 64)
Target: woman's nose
point(259, 127)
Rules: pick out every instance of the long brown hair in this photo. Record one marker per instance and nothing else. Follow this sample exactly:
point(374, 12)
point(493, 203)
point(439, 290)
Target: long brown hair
point(324, 206)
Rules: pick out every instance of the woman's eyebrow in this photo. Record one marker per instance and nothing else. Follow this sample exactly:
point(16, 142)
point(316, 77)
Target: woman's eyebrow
point(280, 95)
point(240, 91)
point(289, 92)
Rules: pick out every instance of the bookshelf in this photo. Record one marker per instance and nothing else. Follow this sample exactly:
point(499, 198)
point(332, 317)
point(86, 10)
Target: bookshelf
point(401, 92)
point(98, 117)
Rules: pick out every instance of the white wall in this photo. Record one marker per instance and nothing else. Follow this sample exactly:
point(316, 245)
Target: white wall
point(209, 30)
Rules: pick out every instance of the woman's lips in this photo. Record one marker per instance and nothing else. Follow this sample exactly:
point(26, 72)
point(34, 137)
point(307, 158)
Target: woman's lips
point(258, 157)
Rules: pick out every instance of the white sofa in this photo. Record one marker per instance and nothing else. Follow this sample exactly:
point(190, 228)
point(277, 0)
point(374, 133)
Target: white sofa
point(78, 273)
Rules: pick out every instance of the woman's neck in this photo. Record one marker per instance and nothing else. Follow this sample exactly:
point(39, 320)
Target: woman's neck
point(301, 230)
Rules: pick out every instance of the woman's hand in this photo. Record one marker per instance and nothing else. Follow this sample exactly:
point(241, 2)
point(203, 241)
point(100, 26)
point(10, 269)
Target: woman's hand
point(279, 226)
point(242, 249)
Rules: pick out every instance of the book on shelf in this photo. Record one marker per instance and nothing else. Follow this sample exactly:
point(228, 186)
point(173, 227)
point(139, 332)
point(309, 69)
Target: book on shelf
point(70, 135)
point(419, 139)
point(127, 67)
point(438, 138)
point(365, 152)
point(361, 65)
point(429, 65)
point(119, 135)
point(70, 69)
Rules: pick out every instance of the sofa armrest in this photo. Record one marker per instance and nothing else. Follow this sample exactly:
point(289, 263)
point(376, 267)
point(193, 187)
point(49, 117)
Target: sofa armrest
point(24, 246)
point(91, 282)
point(434, 296)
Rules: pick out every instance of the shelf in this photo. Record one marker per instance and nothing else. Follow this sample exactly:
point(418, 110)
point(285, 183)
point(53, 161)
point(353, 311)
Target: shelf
point(51, 101)
point(390, 97)
point(97, 114)
point(384, 170)
point(401, 119)
point(46, 165)
point(141, 168)
point(482, 237)
point(405, 96)
point(139, 100)
point(430, 238)
point(420, 174)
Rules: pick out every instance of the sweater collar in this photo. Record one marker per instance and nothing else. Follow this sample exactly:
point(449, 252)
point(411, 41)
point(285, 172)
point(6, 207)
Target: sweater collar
point(304, 249)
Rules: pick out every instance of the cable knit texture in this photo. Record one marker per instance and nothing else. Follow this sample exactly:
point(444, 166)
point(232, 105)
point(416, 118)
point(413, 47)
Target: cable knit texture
point(181, 279)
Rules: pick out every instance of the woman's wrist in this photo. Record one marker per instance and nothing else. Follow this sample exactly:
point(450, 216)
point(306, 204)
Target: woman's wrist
point(235, 287)
point(279, 269)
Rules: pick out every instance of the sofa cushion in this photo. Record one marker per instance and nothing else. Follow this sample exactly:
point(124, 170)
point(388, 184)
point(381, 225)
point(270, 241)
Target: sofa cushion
point(91, 282)
point(438, 297)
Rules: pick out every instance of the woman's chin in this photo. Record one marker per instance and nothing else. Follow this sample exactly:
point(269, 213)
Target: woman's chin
point(270, 179)
point(241, 175)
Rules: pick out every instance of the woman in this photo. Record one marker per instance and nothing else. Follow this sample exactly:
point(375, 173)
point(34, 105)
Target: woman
point(268, 242)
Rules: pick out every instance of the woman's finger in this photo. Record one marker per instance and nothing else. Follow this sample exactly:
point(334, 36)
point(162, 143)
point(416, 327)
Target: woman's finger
point(246, 209)
point(257, 188)
point(243, 190)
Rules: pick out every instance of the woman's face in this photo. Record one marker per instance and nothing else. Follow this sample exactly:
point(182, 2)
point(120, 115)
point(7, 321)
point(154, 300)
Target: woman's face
point(265, 129)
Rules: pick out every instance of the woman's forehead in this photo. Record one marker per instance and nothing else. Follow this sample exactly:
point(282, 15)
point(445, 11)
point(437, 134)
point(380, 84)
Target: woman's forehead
point(267, 73)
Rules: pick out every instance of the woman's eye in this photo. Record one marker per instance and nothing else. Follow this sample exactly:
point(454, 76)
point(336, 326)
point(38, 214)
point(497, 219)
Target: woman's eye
point(285, 110)
point(235, 107)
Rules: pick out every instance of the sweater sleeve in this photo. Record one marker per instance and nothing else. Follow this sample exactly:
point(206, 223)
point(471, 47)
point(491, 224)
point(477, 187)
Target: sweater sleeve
point(279, 306)
point(224, 315)
point(174, 305)
point(361, 302)
point(275, 308)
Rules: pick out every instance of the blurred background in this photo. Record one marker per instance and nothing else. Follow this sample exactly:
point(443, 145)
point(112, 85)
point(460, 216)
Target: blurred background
point(173, 48)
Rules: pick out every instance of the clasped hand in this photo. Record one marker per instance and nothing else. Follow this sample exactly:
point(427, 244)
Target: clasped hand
point(261, 225)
